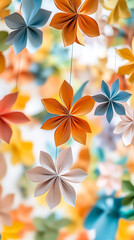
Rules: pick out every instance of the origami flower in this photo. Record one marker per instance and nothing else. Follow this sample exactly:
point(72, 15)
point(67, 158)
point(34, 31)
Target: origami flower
point(25, 28)
point(67, 120)
point(56, 178)
point(128, 188)
point(21, 151)
point(3, 11)
point(126, 126)
point(3, 166)
point(5, 206)
point(128, 68)
point(110, 176)
point(3, 37)
point(110, 99)
point(118, 10)
point(74, 18)
point(8, 116)
point(12, 232)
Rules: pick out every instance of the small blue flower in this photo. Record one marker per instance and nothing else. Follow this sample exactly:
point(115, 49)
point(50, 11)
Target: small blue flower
point(25, 28)
point(110, 99)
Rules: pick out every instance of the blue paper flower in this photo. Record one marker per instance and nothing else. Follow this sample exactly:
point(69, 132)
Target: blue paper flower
point(104, 217)
point(110, 99)
point(25, 28)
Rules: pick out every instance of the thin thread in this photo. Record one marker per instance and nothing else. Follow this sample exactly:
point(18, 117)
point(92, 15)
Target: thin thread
point(115, 52)
point(71, 66)
point(17, 80)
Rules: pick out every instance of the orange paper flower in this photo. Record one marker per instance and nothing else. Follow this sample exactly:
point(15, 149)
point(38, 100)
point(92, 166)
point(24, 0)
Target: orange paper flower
point(68, 120)
point(74, 18)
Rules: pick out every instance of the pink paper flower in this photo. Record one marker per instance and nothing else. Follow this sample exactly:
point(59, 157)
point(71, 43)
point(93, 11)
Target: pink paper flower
point(126, 126)
point(110, 176)
point(8, 116)
point(56, 178)
point(5, 206)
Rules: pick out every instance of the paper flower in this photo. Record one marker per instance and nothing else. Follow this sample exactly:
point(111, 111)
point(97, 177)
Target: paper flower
point(68, 120)
point(125, 230)
point(12, 232)
point(3, 11)
point(43, 227)
point(8, 116)
point(3, 37)
point(21, 151)
point(56, 178)
point(118, 10)
point(126, 126)
point(110, 176)
point(74, 18)
point(23, 215)
point(25, 28)
point(128, 68)
point(128, 188)
point(5, 206)
point(110, 100)
point(3, 166)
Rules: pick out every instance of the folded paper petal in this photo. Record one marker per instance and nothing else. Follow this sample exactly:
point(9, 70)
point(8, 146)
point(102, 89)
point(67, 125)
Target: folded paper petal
point(52, 123)
point(43, 187)
point(61, 19)
point(39, 174)
point(47, 162)
point(109, 114)
point(7, 202)
point(126, 69)
point(89, 7)
point(54, 195)
point(27, 8)
point(121, 127)
point(115, 89)
point(53, 106)
point(78, 133)
point(68, 193)
point(64, 160)
point(100, 98)
point(82, 123)
point(88, 25)
point(5, 131)
point(125, 53)
point(34, 39)
point(7, 102)
point(75, 176)
point(40, 19)
point(83, 106)
point(15, 21)
point(101, 109)
point(69, 32)
point(15, 117)
point(64, 5)
point(128, 135)
point(66, 94)
point(105, 89)
point(20, 40)
point(122, 96)
point(119, 109)
point(62, 133)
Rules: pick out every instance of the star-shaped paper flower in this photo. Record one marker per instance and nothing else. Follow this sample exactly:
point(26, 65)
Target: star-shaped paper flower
point(126, 126)
point(56, 178)
point(128, 68)
point(3, 8)
point(110, 176)
point(5, 206)
point(118, 10)
point(25, 28)
point(8, 116)
point(67, 119)
point(110, 100)
point(74, 18)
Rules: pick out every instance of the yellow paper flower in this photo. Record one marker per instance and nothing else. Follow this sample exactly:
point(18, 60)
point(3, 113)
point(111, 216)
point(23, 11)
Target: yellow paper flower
point(3, 5)
point(2, 62)
point(118, 10)
point(21, 151)
point(12, 232)
point(21, 101)
point(128, 68)
point(125, 230)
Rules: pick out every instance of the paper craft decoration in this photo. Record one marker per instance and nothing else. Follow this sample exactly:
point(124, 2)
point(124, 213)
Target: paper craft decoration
point(125, 230)
point(3, 8)
point(118, 10)
point(43, 227)
point(2, 62)
point(25, 28)
point(74, 18)
point(56, 178)
point(67, 119)
point(3, 37)
point(110, 176)
point(128, 68)
point(126, 126)
point(12, 232)
point(110, 100)
point(128, 188)
point(5, 206)
point(8, 116)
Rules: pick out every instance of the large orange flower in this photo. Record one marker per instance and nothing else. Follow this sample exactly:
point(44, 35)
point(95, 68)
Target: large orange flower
point(74, 18)
point(67, 119)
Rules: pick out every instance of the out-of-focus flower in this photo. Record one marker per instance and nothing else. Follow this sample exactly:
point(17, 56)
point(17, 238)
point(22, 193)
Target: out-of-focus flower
point(18, 63)
point(110, 176)
point(3, 37)
point(9, 116)
point(74, 18)
point(125, 230)
point(2, 62)
point(23, 215)
point(126, 126)
point(21, 101)
point(25, 28)
point(110, 100)
point(5, 206)
point(128, 68)
point(128, 187)
point(21, 151)
point(83, 160)
point(56, 178)
point(67, 120)
point(49, 227)
point(3, 8)
point(81, 235)
point(12, 232)
point(3, 166)
point(118, 10)
point(123, 84)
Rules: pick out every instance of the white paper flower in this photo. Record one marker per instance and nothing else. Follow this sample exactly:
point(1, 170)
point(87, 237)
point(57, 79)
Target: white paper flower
point(56, 178)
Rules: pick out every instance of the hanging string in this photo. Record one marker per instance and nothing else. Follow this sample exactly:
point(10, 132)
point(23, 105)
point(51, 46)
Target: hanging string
point(71, 66)
point(17, 80)
point(115, 50)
